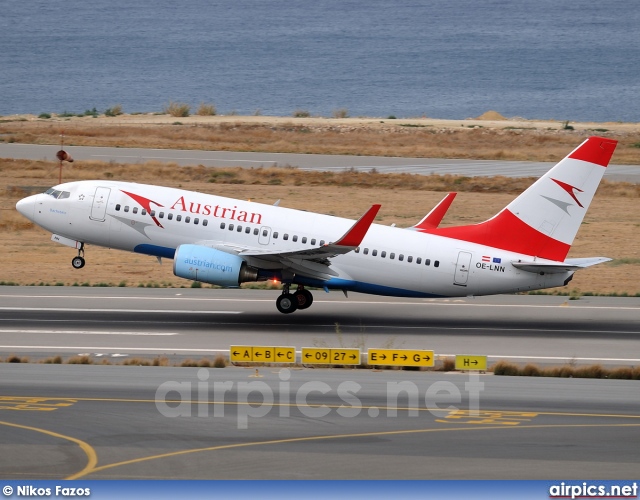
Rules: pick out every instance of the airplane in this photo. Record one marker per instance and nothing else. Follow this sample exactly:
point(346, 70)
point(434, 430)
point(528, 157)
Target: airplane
point(224, 241)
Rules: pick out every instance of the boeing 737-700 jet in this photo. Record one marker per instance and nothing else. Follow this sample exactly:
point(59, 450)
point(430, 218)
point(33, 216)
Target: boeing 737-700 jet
point(226, 242)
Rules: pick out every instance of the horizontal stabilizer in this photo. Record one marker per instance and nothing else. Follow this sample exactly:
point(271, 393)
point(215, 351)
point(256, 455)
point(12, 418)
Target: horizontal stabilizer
point(558, 267)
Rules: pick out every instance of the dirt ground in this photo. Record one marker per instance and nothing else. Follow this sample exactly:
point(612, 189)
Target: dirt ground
point(611, 228)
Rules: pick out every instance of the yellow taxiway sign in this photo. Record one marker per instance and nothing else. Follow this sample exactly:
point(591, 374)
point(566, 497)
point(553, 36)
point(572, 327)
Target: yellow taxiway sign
point(261, 354)
point(326, 356)
point(467, 362)
point(400, 357)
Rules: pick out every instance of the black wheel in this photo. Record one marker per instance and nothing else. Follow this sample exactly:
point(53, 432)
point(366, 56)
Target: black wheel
point(78, 262)
point(286, 303)
point(304, 298)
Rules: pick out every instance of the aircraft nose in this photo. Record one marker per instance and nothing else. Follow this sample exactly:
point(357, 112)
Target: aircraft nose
point(26, 206)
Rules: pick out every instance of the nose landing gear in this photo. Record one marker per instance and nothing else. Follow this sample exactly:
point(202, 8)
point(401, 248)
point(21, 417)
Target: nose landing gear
point(78, 262)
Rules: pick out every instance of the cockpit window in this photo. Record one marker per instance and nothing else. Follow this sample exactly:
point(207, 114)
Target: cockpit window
point(58, 195)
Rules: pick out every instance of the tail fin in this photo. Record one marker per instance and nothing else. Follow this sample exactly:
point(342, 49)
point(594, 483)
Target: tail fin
point(543, 221)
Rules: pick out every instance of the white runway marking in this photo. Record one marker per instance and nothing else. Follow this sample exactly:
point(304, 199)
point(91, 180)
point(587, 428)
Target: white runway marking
point(90, 332)
point(75, 309)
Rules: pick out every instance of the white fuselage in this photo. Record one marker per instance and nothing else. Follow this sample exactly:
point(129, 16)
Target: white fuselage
point(390, 261)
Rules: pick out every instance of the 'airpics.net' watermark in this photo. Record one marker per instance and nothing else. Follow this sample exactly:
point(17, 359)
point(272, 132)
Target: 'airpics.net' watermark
point(256, 399)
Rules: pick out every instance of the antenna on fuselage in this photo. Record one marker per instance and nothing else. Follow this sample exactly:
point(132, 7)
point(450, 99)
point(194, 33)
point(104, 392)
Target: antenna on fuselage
point(62, 155)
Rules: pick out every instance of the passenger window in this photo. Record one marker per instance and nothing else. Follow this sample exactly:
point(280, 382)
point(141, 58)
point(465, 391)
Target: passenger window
point(144, 211)
point(436, 263)
point(419, 260)
point(230, 227)
point(265, 232)
point(357, 250)
point(313, 241)
point(161, 215)
point(374, 252)
point(196, 220)
point(295, 238)
point(118, 207)
point(187, 219)
point(178, 218)
point(222, 225)
point(400, 257)
point(304, 239)
point(275, 235)
point(392, 255)
point(247, 230)
point(135, 210)
point(126, 209)
point(409, 259)
point(170, 216)
point(256, 231)
point(366, 251)
point(205, 222)
point(427, 262)
point(321, 243)
point(239, 229)
point(152, 213)
point(285, 237)
point(383, 254)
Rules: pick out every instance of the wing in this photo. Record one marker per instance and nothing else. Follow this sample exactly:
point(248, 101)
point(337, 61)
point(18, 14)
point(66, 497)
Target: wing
point(311, 262)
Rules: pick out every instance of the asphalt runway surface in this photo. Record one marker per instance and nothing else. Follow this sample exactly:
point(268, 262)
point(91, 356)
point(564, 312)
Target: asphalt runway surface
point(118, 322)
point(421, 166)
point(98, 422)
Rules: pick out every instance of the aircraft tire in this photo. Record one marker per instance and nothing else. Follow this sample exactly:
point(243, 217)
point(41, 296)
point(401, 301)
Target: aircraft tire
point(287, 303)
point(77, 262)
point(304, 298)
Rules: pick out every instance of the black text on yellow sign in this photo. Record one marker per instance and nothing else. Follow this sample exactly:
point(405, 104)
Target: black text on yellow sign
point(400, 357)
point(466, 362)
point(262, 354)
point(326, 356)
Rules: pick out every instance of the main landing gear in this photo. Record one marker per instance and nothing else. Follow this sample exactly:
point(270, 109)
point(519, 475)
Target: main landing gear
point(290, 302)
point(78, 262)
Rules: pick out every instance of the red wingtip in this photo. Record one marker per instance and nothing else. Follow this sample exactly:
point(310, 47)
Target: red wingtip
point(596, 150)
point(354, 236)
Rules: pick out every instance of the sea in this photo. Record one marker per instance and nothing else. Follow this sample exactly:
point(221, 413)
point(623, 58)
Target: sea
point(537, 59)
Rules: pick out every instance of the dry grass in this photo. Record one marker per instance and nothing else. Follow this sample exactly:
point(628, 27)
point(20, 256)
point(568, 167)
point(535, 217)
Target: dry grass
point(566, 371)
point(341, 136)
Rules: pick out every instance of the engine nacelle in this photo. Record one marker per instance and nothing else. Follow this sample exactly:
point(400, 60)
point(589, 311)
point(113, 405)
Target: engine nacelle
point(200, 263)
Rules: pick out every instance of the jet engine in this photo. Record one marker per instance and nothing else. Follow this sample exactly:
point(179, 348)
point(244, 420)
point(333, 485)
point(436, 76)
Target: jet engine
point(200, 263)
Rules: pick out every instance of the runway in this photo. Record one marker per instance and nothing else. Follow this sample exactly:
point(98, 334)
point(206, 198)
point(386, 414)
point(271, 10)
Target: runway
point(185, 323)
point(98, 422)
point(421, 166)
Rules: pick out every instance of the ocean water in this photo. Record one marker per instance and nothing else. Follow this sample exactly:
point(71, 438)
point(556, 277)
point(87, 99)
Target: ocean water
point(548, 59)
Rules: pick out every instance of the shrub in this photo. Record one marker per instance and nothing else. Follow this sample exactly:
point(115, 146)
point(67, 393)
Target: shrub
point(341, 113)
point(301, 113)
point(178, 109)
point(206, 109)
point(505, 368)
point(220, 361)
point(531, 370)
point(44, 115)
point(80, 360)
point(114, 111)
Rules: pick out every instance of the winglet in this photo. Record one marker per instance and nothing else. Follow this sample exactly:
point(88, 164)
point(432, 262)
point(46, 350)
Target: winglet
point(354, 236)
point(434, 218)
